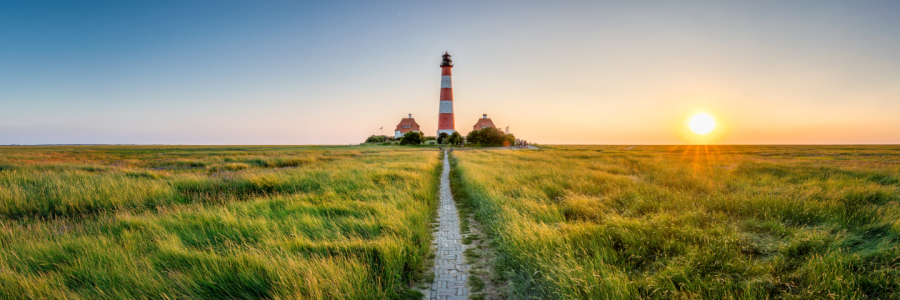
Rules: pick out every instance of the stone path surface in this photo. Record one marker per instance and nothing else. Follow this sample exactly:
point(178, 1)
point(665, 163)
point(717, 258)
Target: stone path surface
point(450, 269)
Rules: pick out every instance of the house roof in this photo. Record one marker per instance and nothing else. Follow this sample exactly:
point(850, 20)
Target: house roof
point(411, 122)
point(482, 123)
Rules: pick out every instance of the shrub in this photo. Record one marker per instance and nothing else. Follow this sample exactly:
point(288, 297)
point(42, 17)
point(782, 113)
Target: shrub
point(489, 136)
point(374, 139)
point(455, 138)
point(412, 138)
point(442, 138)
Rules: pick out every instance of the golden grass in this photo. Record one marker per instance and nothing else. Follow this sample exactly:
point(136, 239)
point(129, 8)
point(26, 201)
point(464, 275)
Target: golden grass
point(214, 222)
point(694, 222)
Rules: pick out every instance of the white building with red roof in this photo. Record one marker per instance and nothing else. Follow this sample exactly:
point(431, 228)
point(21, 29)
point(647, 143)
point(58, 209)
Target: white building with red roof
point(484, 122)
point(406, 125)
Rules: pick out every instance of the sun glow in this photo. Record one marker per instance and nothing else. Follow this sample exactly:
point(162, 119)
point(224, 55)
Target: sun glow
point(702, 124)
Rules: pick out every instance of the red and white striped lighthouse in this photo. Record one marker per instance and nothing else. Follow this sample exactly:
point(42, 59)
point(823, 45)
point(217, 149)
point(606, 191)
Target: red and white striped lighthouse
point(445, 117)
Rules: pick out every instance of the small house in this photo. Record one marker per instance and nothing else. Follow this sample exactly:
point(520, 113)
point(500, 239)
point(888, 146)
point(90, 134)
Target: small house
point(406, 125)
point(484, 122)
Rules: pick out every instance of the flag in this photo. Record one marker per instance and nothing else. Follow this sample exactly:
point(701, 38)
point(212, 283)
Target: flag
point(382, 127)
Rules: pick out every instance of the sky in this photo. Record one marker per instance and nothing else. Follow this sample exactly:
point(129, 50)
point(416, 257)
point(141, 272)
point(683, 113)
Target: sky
point(555, 72)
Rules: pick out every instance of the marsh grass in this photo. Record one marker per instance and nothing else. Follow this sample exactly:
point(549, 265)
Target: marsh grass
point(214, 222)
point(726, 222)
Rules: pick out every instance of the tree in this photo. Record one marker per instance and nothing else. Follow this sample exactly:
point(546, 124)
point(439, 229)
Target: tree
point(455, 138)
point(476, 137)
point(442, 138)
point(412, 138)
point(488, 136)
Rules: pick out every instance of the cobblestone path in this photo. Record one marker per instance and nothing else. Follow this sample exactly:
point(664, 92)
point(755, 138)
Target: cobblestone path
point(450, 270)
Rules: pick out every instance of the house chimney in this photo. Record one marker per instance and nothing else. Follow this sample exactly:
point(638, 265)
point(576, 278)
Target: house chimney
point(410, 116)
point(485, 116)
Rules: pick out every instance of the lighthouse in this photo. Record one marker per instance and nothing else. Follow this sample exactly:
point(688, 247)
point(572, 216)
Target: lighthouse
point(445, 116)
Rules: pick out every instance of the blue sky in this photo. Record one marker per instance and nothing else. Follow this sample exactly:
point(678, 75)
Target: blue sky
point(229, 72)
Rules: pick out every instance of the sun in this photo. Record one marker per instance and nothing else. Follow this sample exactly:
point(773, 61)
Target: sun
point(702, 123)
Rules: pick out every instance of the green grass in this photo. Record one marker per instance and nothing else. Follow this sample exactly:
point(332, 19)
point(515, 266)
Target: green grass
point(725, 222)
point(476, 284)
point(573, 222)
point(163, 222)
point(469, 239)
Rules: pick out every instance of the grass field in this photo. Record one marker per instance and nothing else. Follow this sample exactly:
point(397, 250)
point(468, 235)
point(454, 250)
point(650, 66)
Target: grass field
point(689, 222)
point(568, 222)
point(129, 222)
